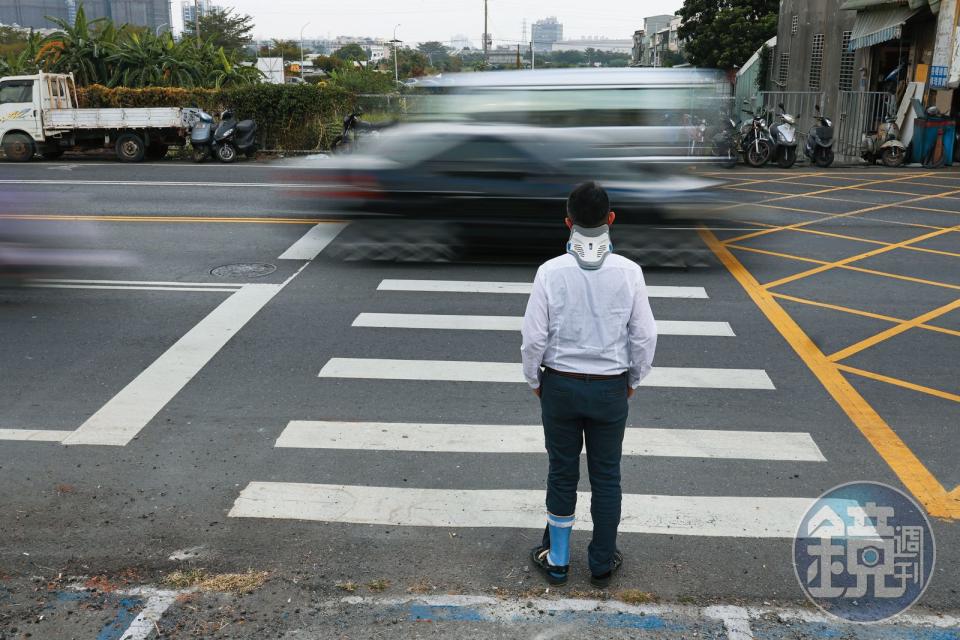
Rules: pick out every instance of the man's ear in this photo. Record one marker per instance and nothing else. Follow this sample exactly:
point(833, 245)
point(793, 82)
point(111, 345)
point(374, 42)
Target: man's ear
point(568, 222)
point(611, 217)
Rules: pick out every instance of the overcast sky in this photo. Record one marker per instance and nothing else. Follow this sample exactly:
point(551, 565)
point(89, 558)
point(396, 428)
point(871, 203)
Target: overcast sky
point(422, 20)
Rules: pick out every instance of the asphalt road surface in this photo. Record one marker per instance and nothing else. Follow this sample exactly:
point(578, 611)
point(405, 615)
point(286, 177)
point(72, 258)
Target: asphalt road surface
point(358, 430)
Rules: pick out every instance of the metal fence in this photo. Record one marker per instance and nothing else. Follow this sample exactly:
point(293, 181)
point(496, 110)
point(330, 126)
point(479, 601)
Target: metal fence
point(860, 112)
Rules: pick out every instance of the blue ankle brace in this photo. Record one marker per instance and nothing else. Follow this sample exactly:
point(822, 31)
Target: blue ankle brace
point(560, 527)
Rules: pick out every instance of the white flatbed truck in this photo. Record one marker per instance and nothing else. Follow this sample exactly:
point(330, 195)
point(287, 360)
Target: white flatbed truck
point(39, 115)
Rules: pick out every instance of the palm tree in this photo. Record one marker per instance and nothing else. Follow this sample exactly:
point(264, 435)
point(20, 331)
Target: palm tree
point(82, 48)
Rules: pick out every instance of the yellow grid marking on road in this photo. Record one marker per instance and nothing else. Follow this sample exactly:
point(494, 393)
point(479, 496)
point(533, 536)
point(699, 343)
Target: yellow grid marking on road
point(852, 238)
point(883, 336)
point(784, 196)
point(935, 210)
point(135, 218)
point(861, 256)
point(897, 382)
point(911, 471)
point(839, 215)
point(883, 274)
point(860, 312)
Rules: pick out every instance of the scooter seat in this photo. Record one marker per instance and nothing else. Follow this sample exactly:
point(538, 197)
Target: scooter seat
point(245, 126)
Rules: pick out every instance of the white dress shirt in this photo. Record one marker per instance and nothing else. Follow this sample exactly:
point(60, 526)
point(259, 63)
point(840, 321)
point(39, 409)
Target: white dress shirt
point(589, 321)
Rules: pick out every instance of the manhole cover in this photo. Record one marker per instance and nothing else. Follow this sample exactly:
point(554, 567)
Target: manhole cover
point(244, 270)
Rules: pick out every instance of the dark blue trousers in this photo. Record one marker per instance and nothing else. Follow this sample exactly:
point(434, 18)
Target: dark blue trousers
point(592, 411)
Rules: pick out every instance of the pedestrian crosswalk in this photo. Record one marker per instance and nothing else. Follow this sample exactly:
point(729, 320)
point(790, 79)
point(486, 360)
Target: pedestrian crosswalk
point(522, 507)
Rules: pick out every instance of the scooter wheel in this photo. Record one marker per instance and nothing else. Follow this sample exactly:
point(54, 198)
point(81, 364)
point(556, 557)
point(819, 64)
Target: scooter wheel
point(226, 153)
point(823, 158)
point(893, 157)
point(201, 155)
point(787, 157)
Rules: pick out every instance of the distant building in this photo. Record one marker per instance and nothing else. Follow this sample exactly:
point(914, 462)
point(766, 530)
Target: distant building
point(461, 41)
point(154, 14)
point(545, 33)
point(190, 10)
point(647, 45)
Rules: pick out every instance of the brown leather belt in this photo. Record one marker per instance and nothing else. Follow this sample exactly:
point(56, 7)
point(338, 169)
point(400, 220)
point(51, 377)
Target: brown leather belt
point(584, 376)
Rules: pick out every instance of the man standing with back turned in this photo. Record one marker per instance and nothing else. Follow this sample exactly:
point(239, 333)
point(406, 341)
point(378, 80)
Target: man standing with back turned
point(589, 325)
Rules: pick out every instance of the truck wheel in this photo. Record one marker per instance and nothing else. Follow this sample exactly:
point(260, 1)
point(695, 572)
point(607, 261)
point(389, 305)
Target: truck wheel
point(18, 147)
point(130, 148)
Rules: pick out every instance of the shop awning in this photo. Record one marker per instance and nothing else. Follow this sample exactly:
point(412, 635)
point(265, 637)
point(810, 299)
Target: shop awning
point(860, 5)
point(879, 25)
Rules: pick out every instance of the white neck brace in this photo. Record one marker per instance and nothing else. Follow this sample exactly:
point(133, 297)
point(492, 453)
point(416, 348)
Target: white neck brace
point(589, 246)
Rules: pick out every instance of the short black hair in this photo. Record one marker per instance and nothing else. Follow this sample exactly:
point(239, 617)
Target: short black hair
point(588, 205)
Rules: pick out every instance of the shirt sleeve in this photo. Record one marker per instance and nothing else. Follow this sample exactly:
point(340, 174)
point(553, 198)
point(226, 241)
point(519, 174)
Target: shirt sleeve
point(642, 332)
point(536, 324)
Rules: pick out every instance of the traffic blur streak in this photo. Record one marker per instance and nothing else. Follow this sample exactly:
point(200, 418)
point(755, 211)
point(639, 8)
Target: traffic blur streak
point(487, 187)
point(43, 249)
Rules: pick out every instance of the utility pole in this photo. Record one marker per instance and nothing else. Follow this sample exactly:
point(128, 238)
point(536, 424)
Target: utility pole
point(396, 68)
point(485, 34)
point(196, 19)
point(533, 55)
point(518, 56)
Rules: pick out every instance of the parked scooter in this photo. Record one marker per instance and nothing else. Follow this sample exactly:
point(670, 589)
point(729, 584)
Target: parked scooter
point(201, 136)
point(353, 128)
point(784, 136)
point(819, 145)
point(725, 143)
point(232, 138)
point(757, 147)
point(696, 134)
point(885, 144)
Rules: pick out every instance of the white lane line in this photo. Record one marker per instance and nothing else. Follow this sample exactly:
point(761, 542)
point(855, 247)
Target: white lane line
point(513, 323)
point(145, 622)
point(34, 435)
point(105, 287)
point(162, 183)
point(456, 371)
point(468, 286)
point(145, 283)
point(314, 241)
point(483, 438)
point(749, 517)
point(122, 418)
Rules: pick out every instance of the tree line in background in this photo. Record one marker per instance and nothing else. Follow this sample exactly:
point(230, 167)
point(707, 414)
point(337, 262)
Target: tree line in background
point(100, 52)
point(723, 34)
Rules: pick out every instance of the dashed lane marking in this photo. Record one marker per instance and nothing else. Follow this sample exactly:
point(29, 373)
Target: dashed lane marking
point(477, 438)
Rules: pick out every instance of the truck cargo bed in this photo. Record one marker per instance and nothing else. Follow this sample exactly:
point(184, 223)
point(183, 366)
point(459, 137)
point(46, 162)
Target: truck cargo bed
point(139, 118)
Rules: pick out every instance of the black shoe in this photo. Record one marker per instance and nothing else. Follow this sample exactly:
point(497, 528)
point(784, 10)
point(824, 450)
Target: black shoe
point(603, 581)
point(554, 575)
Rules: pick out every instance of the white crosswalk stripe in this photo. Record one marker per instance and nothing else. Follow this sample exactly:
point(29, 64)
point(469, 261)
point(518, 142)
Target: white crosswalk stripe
point(466, 371)
point(695, 515)
point(512, 323)
point(391, 506)
point(523, 288)
point(483, 438)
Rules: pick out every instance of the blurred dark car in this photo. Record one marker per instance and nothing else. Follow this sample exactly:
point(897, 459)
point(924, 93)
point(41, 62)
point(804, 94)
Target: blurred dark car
point(498, 172)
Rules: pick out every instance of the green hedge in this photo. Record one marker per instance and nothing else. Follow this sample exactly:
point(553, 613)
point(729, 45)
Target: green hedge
point(288, 116)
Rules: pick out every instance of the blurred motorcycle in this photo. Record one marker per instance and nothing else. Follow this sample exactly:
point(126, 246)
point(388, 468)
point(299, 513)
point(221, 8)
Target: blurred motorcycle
point(353, 128)
point(725, 143)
